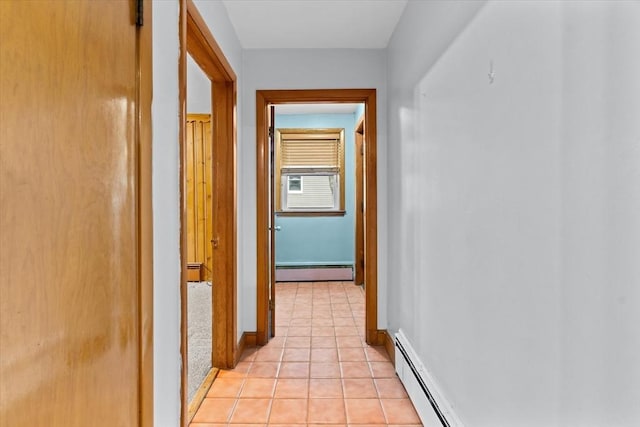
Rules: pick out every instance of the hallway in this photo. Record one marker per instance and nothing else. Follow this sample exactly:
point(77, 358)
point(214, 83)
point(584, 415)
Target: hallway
point(316, 370)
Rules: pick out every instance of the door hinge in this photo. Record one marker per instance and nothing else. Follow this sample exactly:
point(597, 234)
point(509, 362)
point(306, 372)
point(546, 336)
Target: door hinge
point(139, 13)
point(271, 132)
point(272, 305)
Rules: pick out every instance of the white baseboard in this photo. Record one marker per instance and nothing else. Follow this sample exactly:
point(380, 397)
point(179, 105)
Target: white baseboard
point(424, 393)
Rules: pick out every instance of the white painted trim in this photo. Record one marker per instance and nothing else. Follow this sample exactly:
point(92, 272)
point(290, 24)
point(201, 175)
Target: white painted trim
point(425, 410)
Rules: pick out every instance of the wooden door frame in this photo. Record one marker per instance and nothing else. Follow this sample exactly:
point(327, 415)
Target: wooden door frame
point(145, 218)
point(196, 39)
point(359, 203)
point(327, 96)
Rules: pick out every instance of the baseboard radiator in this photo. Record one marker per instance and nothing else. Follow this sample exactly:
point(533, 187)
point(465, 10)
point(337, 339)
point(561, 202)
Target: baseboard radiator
point(314, 273)
point(429, 403)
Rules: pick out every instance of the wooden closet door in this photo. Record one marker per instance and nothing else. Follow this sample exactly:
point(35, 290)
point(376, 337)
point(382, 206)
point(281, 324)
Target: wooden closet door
point(69, 230)
point(199, 174)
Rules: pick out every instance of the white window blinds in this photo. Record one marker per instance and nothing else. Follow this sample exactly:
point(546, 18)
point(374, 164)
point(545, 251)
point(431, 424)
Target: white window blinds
point(313, 159)
point(318, 153)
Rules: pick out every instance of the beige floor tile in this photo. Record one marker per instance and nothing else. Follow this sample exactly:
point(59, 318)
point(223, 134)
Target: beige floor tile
point(383, 370)
point(364, 411)
point(294, 370)
point(317, 371)
point(323, 331)
point(323, 388)
point(251, 411)
point(323, 342)
point(226, 387)
point(299, 331)
point(324, 355)
point(258, 387)
point(326, 411)
point(355, 370)
point(214, 410)
point(292, 388)
point(359, 388)
point(325, 370)
point(293, 354)
point(346, 330)
point(376, 354)
point(399, 411)
point(273, 354)
point(264, 369)
point(349, 341)
point(390, 388)
point(351, 354)
point(288, 411)
point(298, 342)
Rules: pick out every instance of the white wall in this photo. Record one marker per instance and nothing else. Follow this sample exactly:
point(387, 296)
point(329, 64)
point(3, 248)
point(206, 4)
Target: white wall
point(304, 69)
point(165, 117)
point(166, 226)
point(198, 89)
point(514, 216)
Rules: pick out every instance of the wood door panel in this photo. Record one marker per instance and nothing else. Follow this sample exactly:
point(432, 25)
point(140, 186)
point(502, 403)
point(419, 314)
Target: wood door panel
point(68, 214)
point(199, 176)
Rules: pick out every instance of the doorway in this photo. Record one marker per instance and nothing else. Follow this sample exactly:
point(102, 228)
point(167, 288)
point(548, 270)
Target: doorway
point(218, 243)
point(199, 210)
point(314, 183)
point(266, 225)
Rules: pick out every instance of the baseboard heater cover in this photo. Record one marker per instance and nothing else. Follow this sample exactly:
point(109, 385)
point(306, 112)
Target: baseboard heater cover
point(314, 273)
point(432, 408)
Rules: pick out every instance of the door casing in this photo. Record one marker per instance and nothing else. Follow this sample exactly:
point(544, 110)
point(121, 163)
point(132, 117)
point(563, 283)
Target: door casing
point(359, 205)
point(196, 39)
point(265, 98)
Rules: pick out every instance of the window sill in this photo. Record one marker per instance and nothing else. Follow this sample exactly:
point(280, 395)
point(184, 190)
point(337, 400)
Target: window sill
point(311, 213)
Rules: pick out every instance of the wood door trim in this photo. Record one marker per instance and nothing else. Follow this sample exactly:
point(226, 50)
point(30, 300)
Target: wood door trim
point(263, 99)
point(182, 141)
point(262, 219)
point(197, 40)
point(224, 265)
point(203, 46)
point(359, 203)
point(145, 220)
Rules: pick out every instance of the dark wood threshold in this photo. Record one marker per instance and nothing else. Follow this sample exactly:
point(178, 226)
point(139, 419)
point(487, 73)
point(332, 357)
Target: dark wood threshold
point(311, 213)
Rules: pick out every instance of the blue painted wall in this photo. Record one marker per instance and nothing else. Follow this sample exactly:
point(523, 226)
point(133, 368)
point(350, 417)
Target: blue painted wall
point(320, 240)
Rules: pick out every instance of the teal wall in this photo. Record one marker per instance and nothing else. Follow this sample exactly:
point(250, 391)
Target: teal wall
point(320, 240)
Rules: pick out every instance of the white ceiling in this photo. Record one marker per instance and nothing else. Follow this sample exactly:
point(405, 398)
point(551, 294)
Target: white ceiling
point(267, 24)
point(316, 108)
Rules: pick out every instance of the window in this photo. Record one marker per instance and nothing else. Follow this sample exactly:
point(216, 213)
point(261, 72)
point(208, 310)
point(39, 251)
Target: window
point(310, 171)
point(295, 184)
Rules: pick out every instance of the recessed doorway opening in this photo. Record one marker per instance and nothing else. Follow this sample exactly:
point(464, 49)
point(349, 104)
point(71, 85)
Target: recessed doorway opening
point(281, 180)
point(207, 210)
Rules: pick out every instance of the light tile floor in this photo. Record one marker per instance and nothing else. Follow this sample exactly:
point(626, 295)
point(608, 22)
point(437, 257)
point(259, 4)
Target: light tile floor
point(317, 370)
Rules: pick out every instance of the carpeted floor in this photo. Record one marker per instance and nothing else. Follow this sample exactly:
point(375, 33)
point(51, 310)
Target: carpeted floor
point(199, 334)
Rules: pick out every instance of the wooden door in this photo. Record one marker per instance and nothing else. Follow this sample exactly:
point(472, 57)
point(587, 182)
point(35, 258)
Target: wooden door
point(70, 213)
point(199, 175)
point(272, 222)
